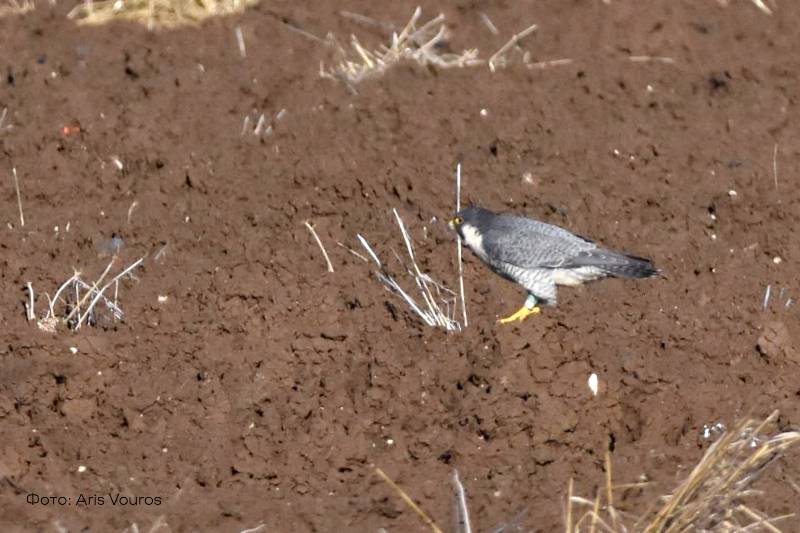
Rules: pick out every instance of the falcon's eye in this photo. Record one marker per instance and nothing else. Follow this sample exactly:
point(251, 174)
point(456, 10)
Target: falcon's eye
point(457, 221)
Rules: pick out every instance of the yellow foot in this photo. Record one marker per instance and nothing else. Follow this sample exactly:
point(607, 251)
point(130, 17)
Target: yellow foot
point(520, 315)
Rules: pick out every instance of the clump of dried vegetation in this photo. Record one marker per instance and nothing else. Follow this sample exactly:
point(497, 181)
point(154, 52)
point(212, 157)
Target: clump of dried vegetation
point(424, 45)
point(77, 302)
point(15, 7)
point(153, 13)
point(712, 499)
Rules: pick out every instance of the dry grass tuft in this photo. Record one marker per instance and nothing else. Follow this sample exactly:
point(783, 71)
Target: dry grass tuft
point(75, 302)
point(156, 13)
point(424, 45)
point(711, 499)
point(15, 7)
point(439, 304)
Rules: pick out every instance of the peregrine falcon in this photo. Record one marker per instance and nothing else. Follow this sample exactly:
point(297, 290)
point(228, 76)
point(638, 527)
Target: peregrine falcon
point(540, 256)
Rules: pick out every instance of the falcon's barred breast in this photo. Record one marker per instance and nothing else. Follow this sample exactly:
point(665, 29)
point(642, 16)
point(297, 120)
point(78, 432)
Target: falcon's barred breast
point(540, 256)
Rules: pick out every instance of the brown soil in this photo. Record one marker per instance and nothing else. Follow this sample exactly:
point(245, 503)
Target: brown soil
point(265, 388)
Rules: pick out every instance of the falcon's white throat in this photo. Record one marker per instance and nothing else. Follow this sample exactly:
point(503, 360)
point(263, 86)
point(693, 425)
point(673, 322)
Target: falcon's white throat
point(473, 239)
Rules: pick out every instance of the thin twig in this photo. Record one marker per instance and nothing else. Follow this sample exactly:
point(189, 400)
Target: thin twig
point(568, 520)
point(131, 208)
point(367, 21)
point(99, 294)
point(762, 6)
point(259, 125)
point(459, 249)
point(550, 63)
point(19, 197)
point(511, 42)
point(766, 297)
point(353, 252)
point(651, 59)
point(407, 499)
point(321, 247)
point(89, 293)
point(31, 306)
point(489, 24)
point(610, 492)
point(240, 41)
point(463, 512)
point(775, 165)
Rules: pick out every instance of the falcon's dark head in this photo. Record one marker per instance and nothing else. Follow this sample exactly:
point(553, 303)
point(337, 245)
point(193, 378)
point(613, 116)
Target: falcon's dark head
point(470, 224)
point(473, 217)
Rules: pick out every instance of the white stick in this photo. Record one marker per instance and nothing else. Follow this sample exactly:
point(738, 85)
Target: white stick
point(131, 208)
point(353, 252)
point(31, 312)
point(463, 513)
point(3, 117)
point(245, 123)
point(762, 6)
point(161, 252)
point(240, 41)
point(259, 125)
point(489, 24)
point(458, 241)
point(647, 59)
point(106, 286)
point(775, 165)
point(766, 296)
point(321, 247)
point(499, 55)
point(19, 197)
point(58, 293)
point(116, 293)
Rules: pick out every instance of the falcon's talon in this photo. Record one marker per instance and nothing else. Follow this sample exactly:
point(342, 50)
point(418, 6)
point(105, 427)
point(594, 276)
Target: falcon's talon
point(520, 315)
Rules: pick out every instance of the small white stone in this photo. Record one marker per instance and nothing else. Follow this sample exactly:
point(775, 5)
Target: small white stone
point(527, 177)
point(162, 299)
point(616, 152)
point(713, 216)
point(99, 372)
point(55, 228)
point(713, 236)
point(102, 213)
point(389, 442)
point(777, 260)
point(186, 219)
point(732, 193)
point(81, 469)
point(164, 450)
point(484, 113)
point(73, 350)
point(593, 382)
point(649, 88)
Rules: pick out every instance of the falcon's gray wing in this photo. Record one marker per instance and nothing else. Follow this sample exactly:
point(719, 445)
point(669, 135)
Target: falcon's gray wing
point(529, 244)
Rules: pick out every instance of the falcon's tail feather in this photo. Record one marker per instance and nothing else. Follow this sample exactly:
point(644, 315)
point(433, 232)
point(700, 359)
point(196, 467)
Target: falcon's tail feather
point(630, 266)
point(614, 264)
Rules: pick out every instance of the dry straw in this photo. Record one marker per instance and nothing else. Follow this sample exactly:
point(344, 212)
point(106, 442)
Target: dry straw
point(75, 301)
point(421, 44)
point(440, 303)
point(15, 7)
point(153, 13)
point(711, 499)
